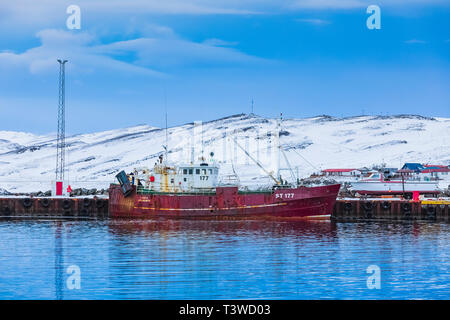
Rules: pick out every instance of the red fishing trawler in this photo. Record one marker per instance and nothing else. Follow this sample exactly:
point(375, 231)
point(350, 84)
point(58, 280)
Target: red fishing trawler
point(192, 191)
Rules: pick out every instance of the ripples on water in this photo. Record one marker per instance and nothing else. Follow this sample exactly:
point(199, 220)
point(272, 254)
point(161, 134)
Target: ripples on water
point(223, 259)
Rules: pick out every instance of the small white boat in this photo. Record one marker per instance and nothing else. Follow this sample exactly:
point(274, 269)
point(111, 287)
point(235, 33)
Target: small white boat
point(377, 184)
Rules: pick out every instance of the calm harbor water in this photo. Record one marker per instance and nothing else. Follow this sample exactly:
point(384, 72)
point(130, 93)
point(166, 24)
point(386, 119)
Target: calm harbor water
point(223, 259)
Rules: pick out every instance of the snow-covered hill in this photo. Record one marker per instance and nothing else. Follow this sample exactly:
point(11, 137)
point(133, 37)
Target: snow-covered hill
point(27, 161)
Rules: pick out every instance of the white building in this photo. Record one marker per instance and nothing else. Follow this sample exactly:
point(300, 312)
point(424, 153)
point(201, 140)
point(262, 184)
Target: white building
point(341, 173)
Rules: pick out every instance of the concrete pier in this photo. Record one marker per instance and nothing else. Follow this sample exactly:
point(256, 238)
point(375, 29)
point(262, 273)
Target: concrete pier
point(346, 209)
point(88, 207)
point(390, 209)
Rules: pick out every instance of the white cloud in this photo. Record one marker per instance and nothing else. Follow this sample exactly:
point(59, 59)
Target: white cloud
point(415, 41)
point(20, 17)
point(142, 55)
point(175, 6)
point(149, 30)
point(316, 22)
point(79, 49)
point(168, 52)
point(327, 4)
point(352, 4)
point(32, 11)
point(57, 38)
point(219, 42)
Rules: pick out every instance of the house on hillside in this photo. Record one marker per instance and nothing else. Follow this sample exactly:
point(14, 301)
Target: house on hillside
point(365, 171)
point(407, 173)
point(427, 166)
point(436, 172)
point(416, 167)
point(341, 173)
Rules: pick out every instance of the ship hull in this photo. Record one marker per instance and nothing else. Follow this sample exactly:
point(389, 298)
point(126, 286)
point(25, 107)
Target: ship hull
point(394, 187)
point(226, 202)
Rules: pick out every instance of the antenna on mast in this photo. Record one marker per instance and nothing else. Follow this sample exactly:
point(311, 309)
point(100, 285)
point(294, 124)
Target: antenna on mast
point(252, 107)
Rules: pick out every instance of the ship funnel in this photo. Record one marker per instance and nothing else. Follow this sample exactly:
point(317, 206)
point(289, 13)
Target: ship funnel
point(124, 183)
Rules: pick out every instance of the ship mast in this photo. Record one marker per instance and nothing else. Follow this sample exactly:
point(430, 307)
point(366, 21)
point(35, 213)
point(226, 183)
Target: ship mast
point(281, 151)
point(279, 146)
point(203, 157)
point(167, 138)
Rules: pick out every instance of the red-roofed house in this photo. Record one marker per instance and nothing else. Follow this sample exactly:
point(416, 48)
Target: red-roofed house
point(438, 166)
point(441, 172)
point(341, 172)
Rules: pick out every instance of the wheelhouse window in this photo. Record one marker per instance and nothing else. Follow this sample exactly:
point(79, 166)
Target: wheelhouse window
point(184, 171)
point(191, 171)
point(197, 171)
point(204, 171)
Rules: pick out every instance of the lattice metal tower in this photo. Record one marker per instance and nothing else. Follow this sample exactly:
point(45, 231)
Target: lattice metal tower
point(61, 138)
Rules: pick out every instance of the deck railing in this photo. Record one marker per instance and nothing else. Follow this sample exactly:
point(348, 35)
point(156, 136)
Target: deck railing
point(143, 190)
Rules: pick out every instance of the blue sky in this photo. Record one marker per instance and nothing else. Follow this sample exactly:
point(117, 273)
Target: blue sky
point(211, 58)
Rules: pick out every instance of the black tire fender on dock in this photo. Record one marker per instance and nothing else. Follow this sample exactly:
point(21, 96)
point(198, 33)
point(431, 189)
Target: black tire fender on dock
point(368, 206)
point(84, 212)
point(406, 207)
point(27, 202)
point(431, 212)
point(99, 203)
point(348, 206)
point(45, 202)
point(86, 202)
point(6, 210)
point(386, 205)
point(67, 203)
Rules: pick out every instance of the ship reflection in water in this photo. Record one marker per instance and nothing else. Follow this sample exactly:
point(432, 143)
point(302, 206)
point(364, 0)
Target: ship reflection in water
point(179, 259)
